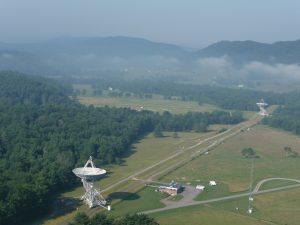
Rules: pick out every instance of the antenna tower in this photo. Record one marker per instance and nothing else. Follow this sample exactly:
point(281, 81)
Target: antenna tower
point(88, 174)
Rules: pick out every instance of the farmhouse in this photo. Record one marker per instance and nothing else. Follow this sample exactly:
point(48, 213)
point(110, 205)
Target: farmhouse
point(172, 188)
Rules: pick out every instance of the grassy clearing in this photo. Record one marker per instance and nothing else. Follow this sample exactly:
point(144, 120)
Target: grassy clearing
point(146, 152)
point(282, 207)
point(213, 191)
point(276, 183)
point(273, 208)
point(204, 215)
point(143, 154)
point(230, 168)
point(156, 104)
point(145, 199)
point(227, 166)
point(176, 197)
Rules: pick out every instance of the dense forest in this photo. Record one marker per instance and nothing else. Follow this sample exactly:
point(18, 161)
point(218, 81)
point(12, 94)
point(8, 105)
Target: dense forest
point(44, 134)
point(286, 117)
point(102, 219)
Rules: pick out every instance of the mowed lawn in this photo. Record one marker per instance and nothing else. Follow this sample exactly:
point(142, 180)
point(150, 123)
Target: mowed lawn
point(231, 170)
point(156, 104)
point(232, 173)
point(143, 154)
point(205, 215)
point(272, 208)
point(224, 164)
point(145, 199)
point(282, 207)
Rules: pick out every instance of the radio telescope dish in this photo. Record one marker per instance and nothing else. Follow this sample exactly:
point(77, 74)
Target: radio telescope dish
point(88, 174)
point(262, 110)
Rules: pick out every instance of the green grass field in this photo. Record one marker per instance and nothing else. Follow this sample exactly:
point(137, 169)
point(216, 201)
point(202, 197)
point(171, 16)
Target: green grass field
point(205, 215)
point(144, 153)
point(276, 183)
point(143, 200)
point(226, 165)
point(156, 104)
point(232, 172)
point(282, 207)
point(273, 208)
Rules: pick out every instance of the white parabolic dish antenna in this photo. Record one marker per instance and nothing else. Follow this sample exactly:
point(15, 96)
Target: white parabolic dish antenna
point(88, 174)
point(262, 110)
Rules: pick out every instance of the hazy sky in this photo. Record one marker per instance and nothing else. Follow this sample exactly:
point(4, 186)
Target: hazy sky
point(195, 23)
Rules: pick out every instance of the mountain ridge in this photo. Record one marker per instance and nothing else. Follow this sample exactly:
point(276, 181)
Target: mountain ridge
point(245, 51)
point(69, 55)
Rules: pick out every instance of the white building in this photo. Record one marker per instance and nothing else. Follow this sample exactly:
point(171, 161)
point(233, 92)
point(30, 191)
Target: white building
point(212, 183)
point(200, 187)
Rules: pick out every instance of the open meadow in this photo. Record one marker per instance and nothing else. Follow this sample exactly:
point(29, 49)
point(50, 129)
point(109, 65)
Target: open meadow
point(269, 209)
point(230, 169)
point(224, 163)
point(144, 153)
point(156, 104)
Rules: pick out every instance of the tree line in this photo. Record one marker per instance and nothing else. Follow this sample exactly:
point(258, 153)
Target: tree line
point(286, 117)
point(102, 219)
point(224, 97)
point(44, 135)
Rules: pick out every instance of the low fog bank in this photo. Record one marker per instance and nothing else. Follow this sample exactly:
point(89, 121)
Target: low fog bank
point(224, 63)
point(224, 68)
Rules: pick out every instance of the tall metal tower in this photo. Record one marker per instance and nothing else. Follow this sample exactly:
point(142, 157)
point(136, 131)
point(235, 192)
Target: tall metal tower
point(88, 174)
point(250, 199)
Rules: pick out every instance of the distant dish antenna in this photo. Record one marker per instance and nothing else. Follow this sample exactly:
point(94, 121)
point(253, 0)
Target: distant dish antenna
point(88, 174)
point(261, 105)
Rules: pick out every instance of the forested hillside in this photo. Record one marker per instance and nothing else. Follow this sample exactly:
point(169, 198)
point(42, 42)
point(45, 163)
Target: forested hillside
point(246, 51)
point(19, 89)
point(44, 135)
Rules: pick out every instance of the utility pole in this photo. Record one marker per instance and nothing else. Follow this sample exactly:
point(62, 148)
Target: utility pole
point(250, 209)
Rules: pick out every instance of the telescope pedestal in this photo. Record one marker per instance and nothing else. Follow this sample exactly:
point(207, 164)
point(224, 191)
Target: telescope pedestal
point(92, 196)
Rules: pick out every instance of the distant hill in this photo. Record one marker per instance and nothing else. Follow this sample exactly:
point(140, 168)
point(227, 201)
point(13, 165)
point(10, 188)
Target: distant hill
point(100, 46)
point(286, 52)
point(65, 56)
point(73, 55)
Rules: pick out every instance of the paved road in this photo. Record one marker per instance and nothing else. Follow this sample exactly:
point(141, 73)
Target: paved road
point(223, 136)
point(260, 183)
point(189, 194)
point(184, 204)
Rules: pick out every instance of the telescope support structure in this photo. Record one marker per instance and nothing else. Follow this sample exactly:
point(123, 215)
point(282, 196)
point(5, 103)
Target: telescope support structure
point(92, 196)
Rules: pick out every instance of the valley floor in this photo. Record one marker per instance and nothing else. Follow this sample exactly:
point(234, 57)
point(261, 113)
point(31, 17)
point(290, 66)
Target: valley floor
point(197, 158)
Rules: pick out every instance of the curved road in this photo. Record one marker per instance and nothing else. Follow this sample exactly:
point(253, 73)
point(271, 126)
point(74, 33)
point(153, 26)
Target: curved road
point(191, 202)
point(260, 183)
